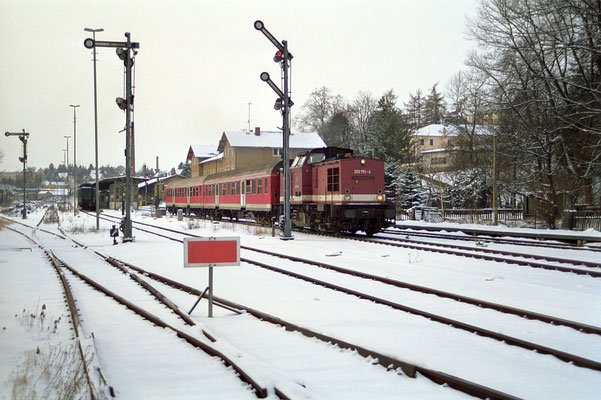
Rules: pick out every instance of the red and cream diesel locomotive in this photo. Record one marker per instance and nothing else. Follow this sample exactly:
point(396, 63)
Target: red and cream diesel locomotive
point(331, 190)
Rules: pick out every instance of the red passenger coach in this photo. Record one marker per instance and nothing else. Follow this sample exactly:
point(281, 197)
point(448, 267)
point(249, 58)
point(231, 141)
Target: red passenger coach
point(251, 192)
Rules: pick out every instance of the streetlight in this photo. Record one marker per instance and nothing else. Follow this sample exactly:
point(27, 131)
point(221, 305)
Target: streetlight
point(65, 162)
point(74, 157)
point(96, 125)
point(67, 137)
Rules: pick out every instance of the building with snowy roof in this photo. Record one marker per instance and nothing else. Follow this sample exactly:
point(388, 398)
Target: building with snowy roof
point(435, 142)
point(243, 149)
point(197, 153)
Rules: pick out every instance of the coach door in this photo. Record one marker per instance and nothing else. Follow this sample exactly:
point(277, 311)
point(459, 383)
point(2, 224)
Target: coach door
point(243, 194)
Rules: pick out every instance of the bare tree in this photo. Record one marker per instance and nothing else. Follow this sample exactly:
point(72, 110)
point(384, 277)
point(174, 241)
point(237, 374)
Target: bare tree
point(544, 60)
point(318, 110)
point(359, 112)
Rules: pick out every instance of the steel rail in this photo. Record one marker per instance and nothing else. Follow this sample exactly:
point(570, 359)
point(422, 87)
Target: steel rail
point(589, 264)
point(563, 356)
point(260, 390)
point(487, 257)
point(75, 321)
point(423, 289)
point(409, 369)
point(405, 285)
point(530, 243)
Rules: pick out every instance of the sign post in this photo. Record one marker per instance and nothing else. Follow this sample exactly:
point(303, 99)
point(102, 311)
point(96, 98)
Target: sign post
point(211, 252)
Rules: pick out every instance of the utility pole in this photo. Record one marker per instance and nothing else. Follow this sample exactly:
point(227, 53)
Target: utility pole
point(495, 206)
point(68, 186)
point(23, 136)
point(283, 102)
point(74, 157)
point(124, 52)
point(96, 128)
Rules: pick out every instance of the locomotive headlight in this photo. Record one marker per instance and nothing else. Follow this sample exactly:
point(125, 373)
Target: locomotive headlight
point(362, 162)
point(347, 197)
point(380, 197)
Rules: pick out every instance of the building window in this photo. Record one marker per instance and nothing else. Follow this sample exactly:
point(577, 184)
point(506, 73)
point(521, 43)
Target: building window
point(277, 152)
point(333, 179)
point(421, 142)
point(431, 142)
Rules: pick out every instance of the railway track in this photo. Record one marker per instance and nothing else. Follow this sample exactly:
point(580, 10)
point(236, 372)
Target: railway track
point(95, 391)
point(509, 257)
point(484, 239)
point(203, 344)
point(283, 392)
point(570, 358)
point(388, 362)
point(405, 285)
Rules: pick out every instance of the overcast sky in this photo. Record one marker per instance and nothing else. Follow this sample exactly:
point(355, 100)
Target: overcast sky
point(198, 67)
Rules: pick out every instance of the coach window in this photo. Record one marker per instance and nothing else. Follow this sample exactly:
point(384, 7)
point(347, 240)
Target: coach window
point(260, 186)
point(254, 186)
point(265, 186)
point(248, 186)
point(333, 179)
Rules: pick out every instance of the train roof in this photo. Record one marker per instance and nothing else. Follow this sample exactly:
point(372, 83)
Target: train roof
point(253, 170)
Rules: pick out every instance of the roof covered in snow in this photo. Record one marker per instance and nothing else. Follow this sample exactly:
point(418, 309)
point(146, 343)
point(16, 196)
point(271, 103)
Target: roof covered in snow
point(214, 158)
point(202, 150)
point(156, 179)
point(271, 139)
point(450, 130)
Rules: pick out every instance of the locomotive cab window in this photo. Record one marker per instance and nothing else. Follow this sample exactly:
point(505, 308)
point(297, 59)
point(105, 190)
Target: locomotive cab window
point(316, 157)
point(333, 179)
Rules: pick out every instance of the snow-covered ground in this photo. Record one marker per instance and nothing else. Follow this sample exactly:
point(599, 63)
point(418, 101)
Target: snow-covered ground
point(141, 361)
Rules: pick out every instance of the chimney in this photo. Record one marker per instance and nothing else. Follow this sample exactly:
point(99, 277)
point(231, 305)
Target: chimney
point(157, 168)
point(257, 131)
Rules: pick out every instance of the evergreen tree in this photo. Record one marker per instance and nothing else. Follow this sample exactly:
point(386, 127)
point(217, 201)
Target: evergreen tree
point(434, 107)
point(389, 136)
point(411, 192)
point(468, 190)
point(185, 168)
point(392, 182)
point(415, 110)
point(337, 130)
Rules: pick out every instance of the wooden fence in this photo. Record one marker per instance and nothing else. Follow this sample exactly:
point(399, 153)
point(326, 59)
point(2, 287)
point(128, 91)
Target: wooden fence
point(481, 215)
point(584, 222)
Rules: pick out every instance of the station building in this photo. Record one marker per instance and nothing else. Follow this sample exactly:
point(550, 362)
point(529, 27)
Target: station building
point(244, 149)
